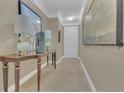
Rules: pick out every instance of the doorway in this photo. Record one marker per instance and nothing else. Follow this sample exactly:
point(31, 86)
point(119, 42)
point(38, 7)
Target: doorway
point(71, 41)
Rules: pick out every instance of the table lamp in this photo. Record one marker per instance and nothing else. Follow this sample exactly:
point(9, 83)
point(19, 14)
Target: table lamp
point(22, 25)
point(48, 37)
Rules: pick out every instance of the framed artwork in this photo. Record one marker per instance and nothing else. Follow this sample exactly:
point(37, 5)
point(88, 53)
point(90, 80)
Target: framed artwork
point(103, 24)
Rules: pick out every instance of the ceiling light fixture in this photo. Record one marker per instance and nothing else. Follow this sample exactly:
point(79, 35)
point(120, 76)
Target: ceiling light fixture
point(70, 18)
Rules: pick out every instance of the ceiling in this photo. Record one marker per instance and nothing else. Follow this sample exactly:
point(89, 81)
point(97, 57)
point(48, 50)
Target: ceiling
point(68, 11)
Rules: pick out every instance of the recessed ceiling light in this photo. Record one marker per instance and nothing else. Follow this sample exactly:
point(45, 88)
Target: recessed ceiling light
point(70, 18)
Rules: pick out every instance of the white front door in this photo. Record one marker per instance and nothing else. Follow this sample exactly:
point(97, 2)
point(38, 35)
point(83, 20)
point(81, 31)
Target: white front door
point(71, 41)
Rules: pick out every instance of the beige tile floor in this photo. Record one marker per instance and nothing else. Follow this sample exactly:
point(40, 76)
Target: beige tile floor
point(68, 77)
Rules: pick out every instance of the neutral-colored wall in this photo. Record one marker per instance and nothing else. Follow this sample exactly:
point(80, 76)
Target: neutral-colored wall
point(61, 44)
point(105, 64)
point(7, 36)
point(55, 25)
point(8, 40)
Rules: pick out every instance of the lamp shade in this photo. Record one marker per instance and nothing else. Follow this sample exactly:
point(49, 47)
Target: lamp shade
point(48, 34)
point(23, 24)
point(48, 37)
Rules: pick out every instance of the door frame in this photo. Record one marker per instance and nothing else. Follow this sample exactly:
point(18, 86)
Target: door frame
point(77, 40)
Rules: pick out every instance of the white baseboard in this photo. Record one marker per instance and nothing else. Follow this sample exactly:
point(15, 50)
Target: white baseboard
point(60, 59)
point(26, 78)
point(70, 57)
point(30, 75)
point(92, 86)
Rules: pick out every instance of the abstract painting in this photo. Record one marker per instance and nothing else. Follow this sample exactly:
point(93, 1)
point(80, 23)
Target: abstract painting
point(100, 25)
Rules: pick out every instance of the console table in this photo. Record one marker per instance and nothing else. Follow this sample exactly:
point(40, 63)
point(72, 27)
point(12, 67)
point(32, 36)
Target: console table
point(17, 59)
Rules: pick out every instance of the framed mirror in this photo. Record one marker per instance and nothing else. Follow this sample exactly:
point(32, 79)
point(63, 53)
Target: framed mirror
point(36, 22)
point(35, 18)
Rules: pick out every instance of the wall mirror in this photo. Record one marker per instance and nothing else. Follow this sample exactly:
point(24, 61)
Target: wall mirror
point(35, 18)
point(36, 22)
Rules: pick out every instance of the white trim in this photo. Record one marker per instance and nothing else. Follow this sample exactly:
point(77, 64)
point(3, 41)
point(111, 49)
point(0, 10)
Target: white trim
point(70, 57)
point(27, 77)
point(40, 4)
point(58, 60)
point(92, 86)
point(52, 15)
point(44, 9)
point(83, 9)
point(49, 14)
point(71, 24)
point(60, 18)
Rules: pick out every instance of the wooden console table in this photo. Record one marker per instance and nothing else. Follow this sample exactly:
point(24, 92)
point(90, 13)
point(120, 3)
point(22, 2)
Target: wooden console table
point(17, 59)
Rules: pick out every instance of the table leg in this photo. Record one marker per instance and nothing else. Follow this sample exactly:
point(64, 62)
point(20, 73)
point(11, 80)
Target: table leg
point(38, 73)
point(55, 60)
point(5, 76)
point(48, 60)
point(52, 58)
point(17, 76)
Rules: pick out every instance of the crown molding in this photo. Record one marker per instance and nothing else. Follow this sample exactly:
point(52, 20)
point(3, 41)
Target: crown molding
point(73, 24)
point(60, 18)
point(43, 8)
point(83, 9)
point(53, 15)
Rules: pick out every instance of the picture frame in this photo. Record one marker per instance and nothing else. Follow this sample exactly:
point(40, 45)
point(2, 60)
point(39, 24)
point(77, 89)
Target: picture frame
point(24, 9)
point(92, 38)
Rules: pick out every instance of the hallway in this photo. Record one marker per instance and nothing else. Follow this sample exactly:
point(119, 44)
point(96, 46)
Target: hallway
point(68, 77)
